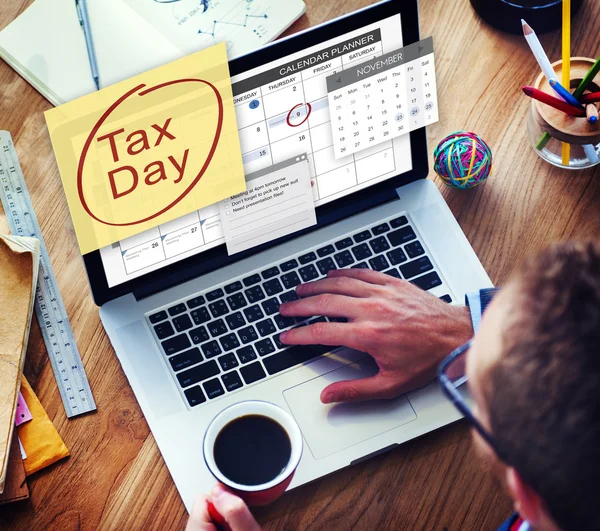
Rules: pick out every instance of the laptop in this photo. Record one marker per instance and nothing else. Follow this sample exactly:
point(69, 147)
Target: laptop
point(197, 330)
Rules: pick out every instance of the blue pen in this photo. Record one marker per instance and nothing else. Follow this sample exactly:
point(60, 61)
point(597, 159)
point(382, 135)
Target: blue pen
point(84, 20)
point(564, 93)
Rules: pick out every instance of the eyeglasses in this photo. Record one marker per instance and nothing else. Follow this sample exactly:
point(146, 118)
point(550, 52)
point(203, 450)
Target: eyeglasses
point(453, 379)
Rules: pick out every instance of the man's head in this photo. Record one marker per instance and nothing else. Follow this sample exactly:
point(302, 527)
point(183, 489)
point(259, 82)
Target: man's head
point(534, 372)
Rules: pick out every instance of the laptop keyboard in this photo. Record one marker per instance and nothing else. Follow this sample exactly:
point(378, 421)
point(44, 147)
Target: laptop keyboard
point(226, 338)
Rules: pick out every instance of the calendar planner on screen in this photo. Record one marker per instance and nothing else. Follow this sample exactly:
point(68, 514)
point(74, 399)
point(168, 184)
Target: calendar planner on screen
point(283, 111)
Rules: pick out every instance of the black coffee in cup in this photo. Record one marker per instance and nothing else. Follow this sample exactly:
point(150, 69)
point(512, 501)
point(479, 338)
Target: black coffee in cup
point(252, 450)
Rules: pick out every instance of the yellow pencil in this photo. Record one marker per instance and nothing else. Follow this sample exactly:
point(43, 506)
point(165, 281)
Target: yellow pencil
point(566, 65)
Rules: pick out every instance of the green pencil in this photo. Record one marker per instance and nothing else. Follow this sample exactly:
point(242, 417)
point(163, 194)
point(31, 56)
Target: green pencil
point(589, 77)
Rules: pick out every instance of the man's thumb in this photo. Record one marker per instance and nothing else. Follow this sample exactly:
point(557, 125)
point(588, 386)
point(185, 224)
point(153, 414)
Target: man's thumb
point(370, 388)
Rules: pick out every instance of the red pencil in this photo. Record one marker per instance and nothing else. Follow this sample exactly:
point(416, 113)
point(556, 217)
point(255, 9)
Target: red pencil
point(571, 110)
point(590, 98)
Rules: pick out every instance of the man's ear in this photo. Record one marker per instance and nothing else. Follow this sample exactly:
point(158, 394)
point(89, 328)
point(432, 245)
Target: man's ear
point(527, 502)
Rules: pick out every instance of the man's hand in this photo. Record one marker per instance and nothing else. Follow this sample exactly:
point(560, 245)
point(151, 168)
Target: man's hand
point(408, 331)
point(232, 509)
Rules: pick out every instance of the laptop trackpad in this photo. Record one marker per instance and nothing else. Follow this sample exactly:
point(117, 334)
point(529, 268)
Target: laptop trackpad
point(329, 428)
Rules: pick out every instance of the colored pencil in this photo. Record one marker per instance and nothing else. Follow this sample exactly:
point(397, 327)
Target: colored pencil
point(538, 51)
point(566, 68)
point(589, 77)
point(591, 154)
point(592, 113)
point(561, 105)
point(564, 93)
point(592, 97)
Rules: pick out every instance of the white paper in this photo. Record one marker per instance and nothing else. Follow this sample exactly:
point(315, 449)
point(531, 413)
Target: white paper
point(277, 202)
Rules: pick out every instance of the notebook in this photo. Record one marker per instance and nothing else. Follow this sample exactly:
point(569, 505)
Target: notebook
point(46, 44)
point(19, 262)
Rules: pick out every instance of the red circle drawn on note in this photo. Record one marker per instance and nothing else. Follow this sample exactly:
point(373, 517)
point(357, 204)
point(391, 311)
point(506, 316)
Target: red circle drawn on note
point(107, 113)
point(308, 105)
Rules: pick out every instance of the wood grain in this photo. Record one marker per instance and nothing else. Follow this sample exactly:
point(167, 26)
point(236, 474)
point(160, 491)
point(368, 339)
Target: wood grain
point(116, 478)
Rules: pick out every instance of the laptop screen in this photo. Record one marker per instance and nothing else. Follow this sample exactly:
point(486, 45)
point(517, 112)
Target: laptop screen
point(264, 97)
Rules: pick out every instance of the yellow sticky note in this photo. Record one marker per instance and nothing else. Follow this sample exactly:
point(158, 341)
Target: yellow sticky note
point(149, 149)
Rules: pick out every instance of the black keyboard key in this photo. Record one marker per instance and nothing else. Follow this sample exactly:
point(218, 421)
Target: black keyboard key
point(248, 334)
point(278, 343)
point(399, 222)
point(344, 259)
point(361, 251)
point(255, 294)
point(344, 244)
point(254, 313)
point(195, 396)
point(283, 322)
point(176, 344)
point(416, 267)
point(380, 229)
point(272, 287)
point(163, 330)
point(393, 273)
point(270, 273)
point(200, 316)
point(185, 359)
point(233, 287)
point(195, 302)
point(199, 335)
point(414, 249)
point(246, 354)
point(397, 256)
point(325, 265)
point(290, 280)
point(289, 265)
point(235, 320)
point(379, 245)
point(265, 347)
point(251, 280)
point(253, 372)
point(360, 265)
point(211, 349)
point(327, 250)
point(362, 236)
point(400, 236)
point(308, 273)
point(289, 296)
point(266, 327)
point(218, 308)
point(379, 263)
point(317, 320)
point(213, 388)
point(198, 374)
point(217, 328)
point(307, 258)
point(428, 281)
point(229, 342)
point(446, 298)
point(177, 309)
point(228, 361)
point(232, 381)
point(157, 317)
point(182, 323)
point(214, 295)
point(236, 301)
point(271, 306)
point(294, 356)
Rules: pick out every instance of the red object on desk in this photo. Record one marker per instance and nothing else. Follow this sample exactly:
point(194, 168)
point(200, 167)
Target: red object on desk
point(591, 97)
point(561, 105)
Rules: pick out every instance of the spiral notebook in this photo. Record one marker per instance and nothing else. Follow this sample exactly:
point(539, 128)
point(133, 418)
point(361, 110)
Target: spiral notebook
point(46, 44)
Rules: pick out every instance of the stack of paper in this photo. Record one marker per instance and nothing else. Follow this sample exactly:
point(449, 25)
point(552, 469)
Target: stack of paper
point(19, 262)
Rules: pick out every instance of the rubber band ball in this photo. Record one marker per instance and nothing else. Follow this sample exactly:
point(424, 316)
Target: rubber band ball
point(463, 160)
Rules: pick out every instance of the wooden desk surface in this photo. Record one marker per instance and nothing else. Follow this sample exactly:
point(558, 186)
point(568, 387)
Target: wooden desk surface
point(116, 478)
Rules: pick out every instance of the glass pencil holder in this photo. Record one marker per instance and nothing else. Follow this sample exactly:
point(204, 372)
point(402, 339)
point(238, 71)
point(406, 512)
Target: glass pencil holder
point(549, 128)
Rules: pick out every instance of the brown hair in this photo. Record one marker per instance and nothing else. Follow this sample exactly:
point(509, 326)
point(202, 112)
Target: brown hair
point(544, 393)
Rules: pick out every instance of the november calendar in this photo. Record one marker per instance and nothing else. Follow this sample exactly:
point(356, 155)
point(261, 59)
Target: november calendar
point(383, 98)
